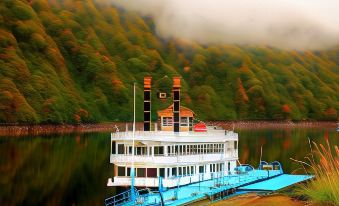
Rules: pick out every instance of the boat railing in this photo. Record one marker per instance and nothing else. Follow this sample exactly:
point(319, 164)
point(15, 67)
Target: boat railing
point(173, 159)
point(121, 198)
point(170, 134)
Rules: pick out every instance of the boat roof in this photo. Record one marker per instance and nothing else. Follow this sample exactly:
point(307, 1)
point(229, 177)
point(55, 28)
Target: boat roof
point(168, 112)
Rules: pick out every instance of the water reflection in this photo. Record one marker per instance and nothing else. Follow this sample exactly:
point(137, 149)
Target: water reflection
point(281, 145)
point(63, 170)
point(73, 169)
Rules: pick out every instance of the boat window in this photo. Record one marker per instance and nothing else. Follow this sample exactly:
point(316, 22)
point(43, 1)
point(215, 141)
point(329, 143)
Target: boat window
point(180, 171)
point(152, 172)
point(128, 171)
point(184, 149)
point(113, 147)
point(138, 151)
point(167, 121)
point(121, 171)
point(174, 171)
point(162, 172)
point(184, 121)
point(176, 149)
point(201, 169)
point(229, 166)
point(121, 149)
point(192, 170)
point(235, 144)
point(184, 171)
point(141, 172)
point(158, 150)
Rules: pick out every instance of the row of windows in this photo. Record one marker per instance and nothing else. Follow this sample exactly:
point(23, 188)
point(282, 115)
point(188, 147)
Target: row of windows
point(184, 121)
point(195, 149)
point(174, 171)
point(173, 149)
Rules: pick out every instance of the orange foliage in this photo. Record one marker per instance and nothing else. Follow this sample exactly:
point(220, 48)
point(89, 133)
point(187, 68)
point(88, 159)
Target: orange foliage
point(186, 69)
point(82, 113)
point(285, 108)
point(330, 113)
point(47, 105)
point(242, 91)
point(117, 84)
point(106, 58)
point(77, 118)
point(188, 99)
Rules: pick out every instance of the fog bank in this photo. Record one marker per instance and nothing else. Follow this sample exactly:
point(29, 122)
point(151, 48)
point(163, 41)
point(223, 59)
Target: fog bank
point(287, 24)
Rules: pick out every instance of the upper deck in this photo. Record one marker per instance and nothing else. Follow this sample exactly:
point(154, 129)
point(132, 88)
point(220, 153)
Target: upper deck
point(177, 137)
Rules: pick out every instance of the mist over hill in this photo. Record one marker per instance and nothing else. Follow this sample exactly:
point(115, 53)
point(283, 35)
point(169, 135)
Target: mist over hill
point(76, 61)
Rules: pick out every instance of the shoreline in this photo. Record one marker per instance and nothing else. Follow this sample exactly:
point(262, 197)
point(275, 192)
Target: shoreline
point(273, 124)
point(35, 130)
point(255, 199)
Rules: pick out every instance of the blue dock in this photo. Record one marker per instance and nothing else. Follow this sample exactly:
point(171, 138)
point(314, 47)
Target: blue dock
point(215, 189)
point(276, 183)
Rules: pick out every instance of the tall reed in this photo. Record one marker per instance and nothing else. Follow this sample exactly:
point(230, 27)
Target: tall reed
point(324, 164)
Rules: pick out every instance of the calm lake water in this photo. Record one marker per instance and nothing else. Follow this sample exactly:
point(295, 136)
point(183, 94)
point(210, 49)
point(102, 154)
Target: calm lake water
point(73, 169)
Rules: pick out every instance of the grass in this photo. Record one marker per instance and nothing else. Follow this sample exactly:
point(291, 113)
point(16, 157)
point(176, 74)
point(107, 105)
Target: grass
point(324, 164)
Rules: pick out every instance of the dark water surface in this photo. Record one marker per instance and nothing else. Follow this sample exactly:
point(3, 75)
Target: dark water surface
point(73, 169)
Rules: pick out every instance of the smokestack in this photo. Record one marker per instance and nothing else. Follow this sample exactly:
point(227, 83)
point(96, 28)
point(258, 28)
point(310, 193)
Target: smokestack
point(147, 103)
point(176, 104)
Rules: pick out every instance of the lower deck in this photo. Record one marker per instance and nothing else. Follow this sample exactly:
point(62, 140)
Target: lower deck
point(172, 176)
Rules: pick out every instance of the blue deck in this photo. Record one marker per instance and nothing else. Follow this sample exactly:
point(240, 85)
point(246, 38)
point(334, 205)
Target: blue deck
point(218, 188)
point(277, 183)
point(196, 191)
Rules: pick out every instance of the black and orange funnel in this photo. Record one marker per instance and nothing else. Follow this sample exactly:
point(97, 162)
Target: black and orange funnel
point(176, 104)
point(147, 103)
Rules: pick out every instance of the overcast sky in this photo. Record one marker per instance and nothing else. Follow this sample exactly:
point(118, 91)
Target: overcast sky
point(287, 24)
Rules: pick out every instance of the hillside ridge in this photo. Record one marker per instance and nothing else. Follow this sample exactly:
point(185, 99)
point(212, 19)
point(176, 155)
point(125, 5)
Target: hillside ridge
point(76, 61)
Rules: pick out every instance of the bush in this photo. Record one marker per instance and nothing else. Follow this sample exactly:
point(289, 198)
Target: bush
point(324, 188)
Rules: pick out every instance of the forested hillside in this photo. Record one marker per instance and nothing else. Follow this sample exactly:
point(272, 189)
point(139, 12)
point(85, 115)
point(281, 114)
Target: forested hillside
point(71, 61)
